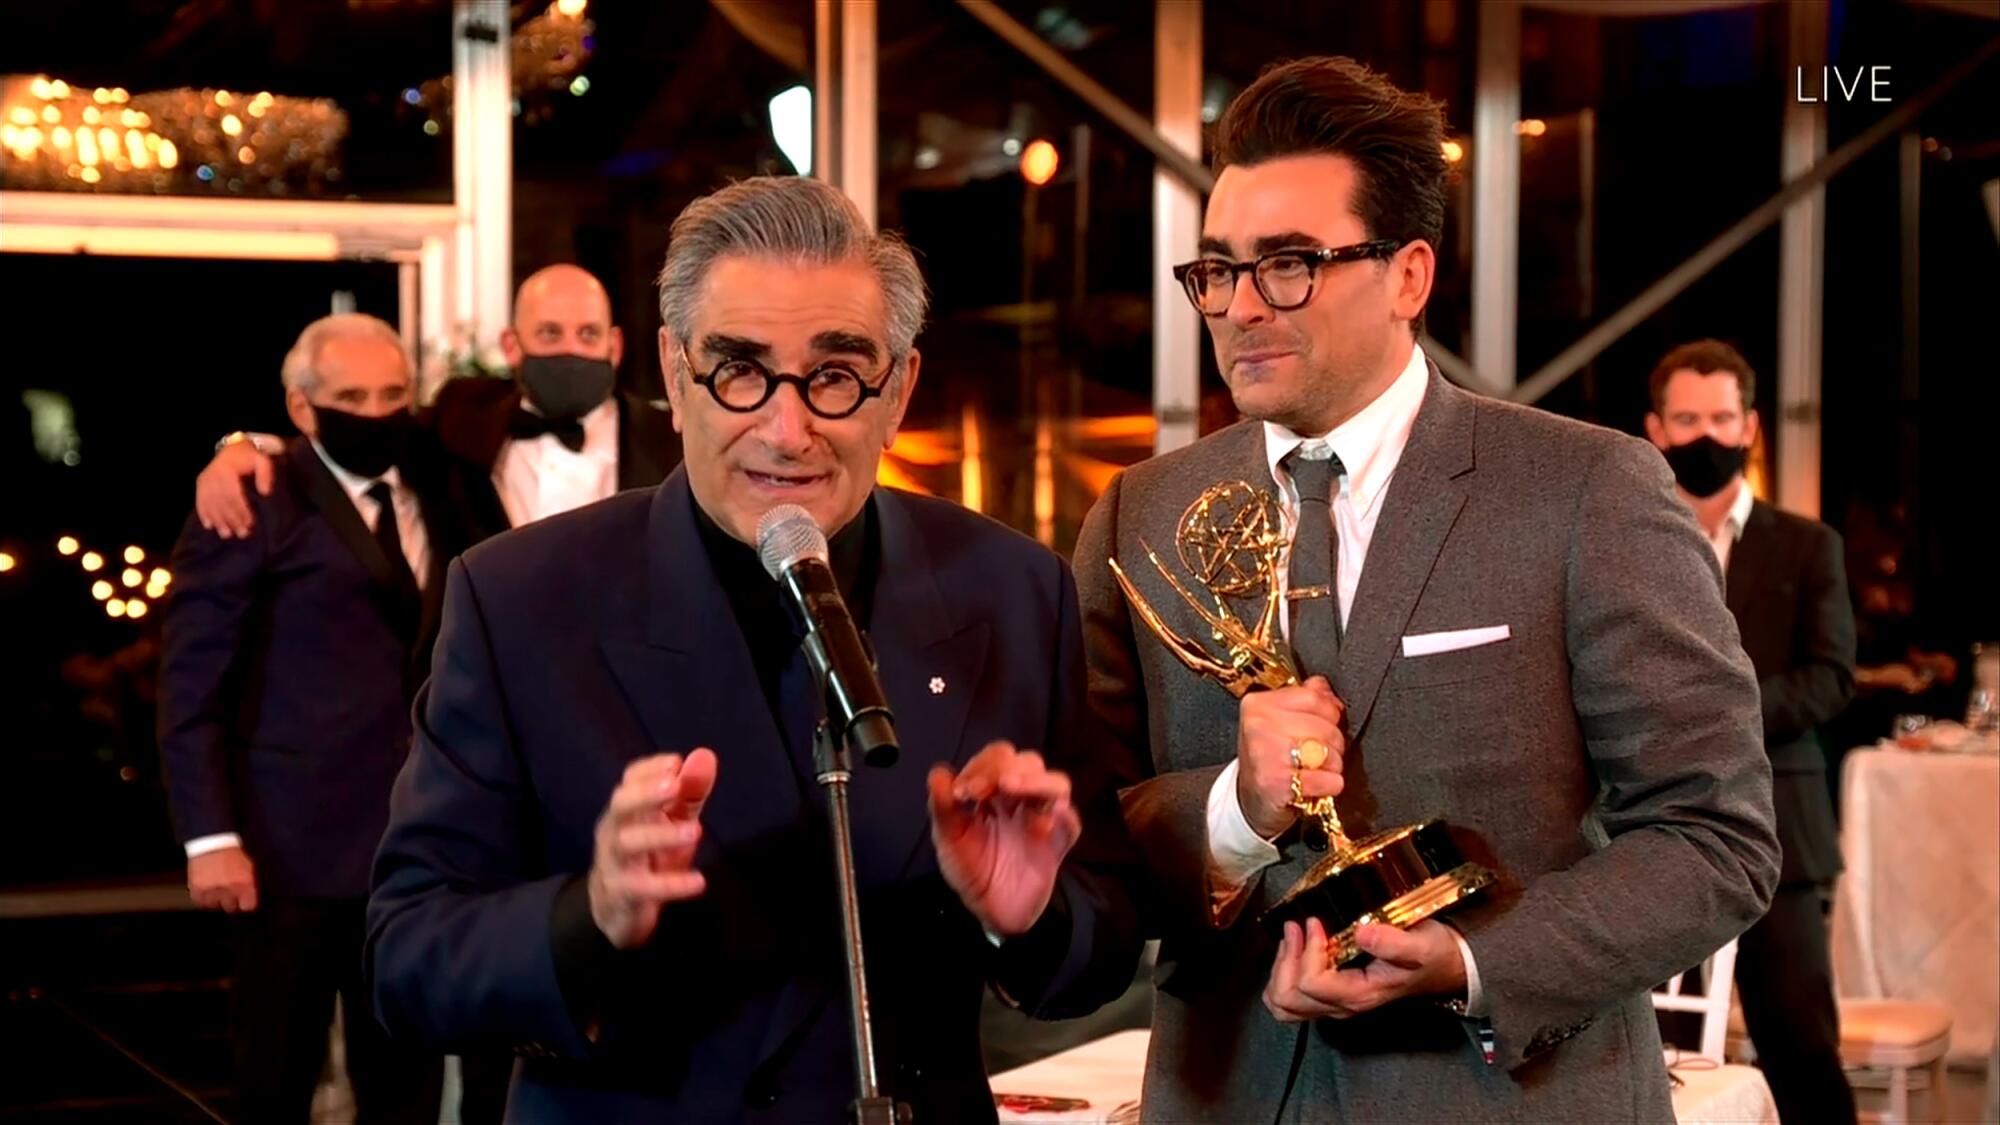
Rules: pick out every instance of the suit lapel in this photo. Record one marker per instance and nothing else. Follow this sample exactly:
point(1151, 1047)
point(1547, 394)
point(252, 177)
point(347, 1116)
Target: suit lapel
point(689, 678)
point(1238, 453)
point(472, 430)
point(931, 665)
point(1417, 514)
point(648, 448)
point(1749, 556)
point(337, 508)
point(1244, 458)
point(919, 644)
point(691, 682)
point(444, 537)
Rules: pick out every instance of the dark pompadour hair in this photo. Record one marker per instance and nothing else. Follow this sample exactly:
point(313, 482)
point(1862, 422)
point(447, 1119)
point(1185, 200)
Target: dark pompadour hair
point(1335, 106)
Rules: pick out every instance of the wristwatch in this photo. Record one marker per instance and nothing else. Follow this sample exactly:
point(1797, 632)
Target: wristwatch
point(262, 443)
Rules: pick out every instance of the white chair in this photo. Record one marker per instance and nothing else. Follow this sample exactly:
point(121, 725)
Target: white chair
point(1718, 977)
point(1719, 1090)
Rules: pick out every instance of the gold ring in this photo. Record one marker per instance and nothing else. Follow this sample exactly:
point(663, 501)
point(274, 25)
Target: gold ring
point(1311, 754)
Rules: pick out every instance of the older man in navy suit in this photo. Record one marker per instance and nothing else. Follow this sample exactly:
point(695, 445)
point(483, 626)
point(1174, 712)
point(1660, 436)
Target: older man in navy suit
point(608, 849)
point(285, 683)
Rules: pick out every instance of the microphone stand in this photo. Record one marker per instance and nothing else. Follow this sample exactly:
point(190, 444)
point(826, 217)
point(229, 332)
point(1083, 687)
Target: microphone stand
point(833, 762)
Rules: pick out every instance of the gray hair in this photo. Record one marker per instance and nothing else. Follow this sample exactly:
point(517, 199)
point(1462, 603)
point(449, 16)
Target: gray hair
point(795, 219)
point(301, 370)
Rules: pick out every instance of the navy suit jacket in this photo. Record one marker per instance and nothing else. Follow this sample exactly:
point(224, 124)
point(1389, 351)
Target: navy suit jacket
point(288, 662)
point(578, 644)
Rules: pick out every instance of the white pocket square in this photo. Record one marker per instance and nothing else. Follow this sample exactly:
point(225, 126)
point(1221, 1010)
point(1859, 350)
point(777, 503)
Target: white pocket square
point(1451, 640)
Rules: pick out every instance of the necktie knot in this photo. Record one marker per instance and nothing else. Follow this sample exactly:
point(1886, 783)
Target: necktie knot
point(1314, 468)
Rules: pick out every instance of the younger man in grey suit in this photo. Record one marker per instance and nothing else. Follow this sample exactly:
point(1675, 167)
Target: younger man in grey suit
point(1506, 619)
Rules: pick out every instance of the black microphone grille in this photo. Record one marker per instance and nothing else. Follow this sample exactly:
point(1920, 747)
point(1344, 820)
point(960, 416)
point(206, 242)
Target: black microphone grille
point(786, 534)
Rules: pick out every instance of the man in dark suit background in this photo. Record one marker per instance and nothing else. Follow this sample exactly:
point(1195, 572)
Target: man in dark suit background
point(289, 661)
point(1787, 587)
point(556, 436)
point(657, 933)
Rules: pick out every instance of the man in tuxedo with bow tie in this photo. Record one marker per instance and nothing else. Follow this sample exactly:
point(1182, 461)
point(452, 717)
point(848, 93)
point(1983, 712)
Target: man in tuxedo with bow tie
point(556, 436)
point(1505, 619)
point(287, 670)
point(609, 850)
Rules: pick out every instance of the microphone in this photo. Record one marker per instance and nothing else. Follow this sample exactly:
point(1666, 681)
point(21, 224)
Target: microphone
point(793, 550)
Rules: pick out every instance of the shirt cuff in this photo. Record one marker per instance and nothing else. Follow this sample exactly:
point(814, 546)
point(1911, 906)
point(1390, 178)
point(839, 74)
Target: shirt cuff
point(202, 845)
point(1236, 853)
point(1475, 996)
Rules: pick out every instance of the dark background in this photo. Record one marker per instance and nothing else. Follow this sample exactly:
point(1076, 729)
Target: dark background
point(1035, 314)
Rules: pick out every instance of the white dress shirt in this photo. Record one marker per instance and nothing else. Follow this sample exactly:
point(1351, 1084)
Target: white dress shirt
point(540, 477)
point(1370, 445)
point(409, 516)
point(1726, 536)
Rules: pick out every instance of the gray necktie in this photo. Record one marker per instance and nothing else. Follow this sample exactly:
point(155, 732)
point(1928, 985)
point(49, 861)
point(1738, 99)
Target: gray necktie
point(1315, 599)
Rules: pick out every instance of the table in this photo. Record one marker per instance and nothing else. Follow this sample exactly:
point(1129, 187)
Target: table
point(1109, 1072)
point(1106, 1072)
point(1917, 915)
point(1713, 1094)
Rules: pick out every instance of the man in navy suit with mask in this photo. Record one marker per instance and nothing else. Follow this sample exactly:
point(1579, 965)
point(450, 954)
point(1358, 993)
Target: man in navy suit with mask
point(556, 436)
point(290, 658)
point(608, 850)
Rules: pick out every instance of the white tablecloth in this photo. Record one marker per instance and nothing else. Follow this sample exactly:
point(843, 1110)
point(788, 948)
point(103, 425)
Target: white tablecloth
point(1917, 916)
point(1709, 1094)
point(1108, 1074)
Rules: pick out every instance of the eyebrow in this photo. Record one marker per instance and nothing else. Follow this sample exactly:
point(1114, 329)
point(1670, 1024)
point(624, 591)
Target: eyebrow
point(734, 347)
point(849, 343)
point(1264, 244)
point(1288, 240)
point(831, 342)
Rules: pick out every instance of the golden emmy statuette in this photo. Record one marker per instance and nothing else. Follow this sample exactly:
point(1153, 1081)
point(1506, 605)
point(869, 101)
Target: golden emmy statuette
point(1232, 542)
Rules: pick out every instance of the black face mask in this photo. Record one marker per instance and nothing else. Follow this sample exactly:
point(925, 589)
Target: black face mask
point(566, 386)
point(364, 446)
point(1704, 465)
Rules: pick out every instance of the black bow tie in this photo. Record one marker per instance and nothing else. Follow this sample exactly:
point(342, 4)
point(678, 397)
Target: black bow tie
point(526, 424)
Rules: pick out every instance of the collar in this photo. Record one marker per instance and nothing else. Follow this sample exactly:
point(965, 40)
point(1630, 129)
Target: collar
point(1739, 511)
point(356, 487)
point(1369, 444)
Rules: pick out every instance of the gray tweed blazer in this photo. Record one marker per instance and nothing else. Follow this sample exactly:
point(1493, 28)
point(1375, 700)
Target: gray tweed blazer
point(1606, 759)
